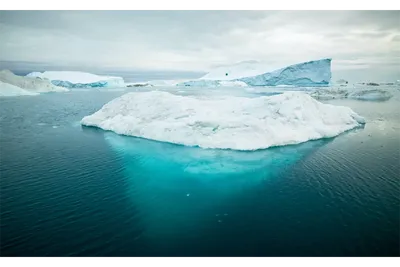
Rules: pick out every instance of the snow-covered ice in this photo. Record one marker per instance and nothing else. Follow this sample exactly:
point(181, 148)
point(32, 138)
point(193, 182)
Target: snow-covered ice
point(7, 89)
point(311, 73)
point(30, 84)
point(224, 122)
point(77, 79)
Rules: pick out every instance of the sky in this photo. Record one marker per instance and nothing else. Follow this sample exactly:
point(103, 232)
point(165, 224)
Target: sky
point(363, 45)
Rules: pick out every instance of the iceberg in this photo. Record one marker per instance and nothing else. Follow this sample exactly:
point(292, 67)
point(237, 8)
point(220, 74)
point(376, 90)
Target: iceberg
point(309, 74)
point(29, 84)
point(351, 93)
point(77, 79)
point(144, 84)
point(224, 122)
point(371, 95)
point(7, 89)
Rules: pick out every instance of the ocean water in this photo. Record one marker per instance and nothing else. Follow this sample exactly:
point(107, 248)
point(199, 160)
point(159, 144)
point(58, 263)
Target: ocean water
point(68, 190)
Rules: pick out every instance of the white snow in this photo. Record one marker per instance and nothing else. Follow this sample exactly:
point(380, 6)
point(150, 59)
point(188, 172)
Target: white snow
point(30, 84)
point(224, 122)
point(7, 89)
point(71, 76)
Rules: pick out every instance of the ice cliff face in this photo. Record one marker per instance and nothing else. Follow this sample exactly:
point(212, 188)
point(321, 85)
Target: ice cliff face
point(77, 79)
point(27, 85)
point(224, 122)
point(312, 73)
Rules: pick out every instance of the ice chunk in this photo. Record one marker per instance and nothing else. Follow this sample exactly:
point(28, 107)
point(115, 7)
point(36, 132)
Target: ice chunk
point(139, 84)
point(312, 73)
point(7, 89)
point(353, 93)
point(224, 122)
point(77, 79)
point(371, 95)
point(30, 84)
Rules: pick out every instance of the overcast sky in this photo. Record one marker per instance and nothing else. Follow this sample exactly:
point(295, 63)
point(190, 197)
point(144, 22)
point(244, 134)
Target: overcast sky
point(361, 43)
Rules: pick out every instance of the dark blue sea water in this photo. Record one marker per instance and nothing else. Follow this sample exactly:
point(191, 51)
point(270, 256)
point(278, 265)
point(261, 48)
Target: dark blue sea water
point(73, 191)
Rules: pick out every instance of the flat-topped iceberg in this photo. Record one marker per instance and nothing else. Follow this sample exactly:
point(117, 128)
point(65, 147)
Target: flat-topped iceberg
point(224, 122)
point(311, 73)
point(77, 79)
point(29, 84)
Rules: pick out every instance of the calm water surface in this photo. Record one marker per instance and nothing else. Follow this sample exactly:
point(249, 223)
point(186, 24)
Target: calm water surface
point(73, 191)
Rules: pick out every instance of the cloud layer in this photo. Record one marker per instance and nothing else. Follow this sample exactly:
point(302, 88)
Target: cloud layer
point(358, 41)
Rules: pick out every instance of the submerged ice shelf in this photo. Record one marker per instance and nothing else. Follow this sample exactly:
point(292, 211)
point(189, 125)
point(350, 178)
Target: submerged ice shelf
point(77, 79)
point(224, 122)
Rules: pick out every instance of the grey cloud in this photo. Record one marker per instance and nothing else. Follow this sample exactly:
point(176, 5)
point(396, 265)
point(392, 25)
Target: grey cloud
point(197, 40)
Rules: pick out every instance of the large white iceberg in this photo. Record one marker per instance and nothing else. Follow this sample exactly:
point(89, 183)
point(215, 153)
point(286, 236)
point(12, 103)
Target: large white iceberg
point(7, 89)
point(77, 79)
point(29, 84)
point(312, 73)
point(224, 122)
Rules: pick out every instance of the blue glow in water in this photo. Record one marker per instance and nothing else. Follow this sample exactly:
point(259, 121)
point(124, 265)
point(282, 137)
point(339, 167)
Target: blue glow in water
point(69, 190)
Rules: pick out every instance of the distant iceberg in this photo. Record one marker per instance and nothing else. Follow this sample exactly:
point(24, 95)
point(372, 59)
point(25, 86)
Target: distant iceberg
point(224, 122)
point(77, 79)
point(371, 95)
point(25, 85)
point(352, 93)
point(7, 89)
point(306, 74)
